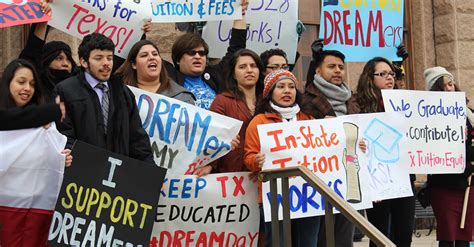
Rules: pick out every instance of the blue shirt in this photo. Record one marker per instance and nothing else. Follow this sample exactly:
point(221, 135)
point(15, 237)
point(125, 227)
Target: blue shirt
point(204, 93)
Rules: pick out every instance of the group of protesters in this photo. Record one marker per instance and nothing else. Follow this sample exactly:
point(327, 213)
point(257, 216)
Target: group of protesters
point(90, 101)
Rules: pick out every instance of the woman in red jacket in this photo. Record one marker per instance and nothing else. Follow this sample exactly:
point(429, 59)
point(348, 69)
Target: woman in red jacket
point(279, 104)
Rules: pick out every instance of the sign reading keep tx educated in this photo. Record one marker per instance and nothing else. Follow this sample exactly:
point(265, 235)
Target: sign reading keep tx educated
point(330, 148)
point(183, 136)
point(271, 24)
point(14, 13)
point(437, 122)
point(119, 20)
point(106, 199)
point(213, 210)
point(195, 10)
point(362, 29)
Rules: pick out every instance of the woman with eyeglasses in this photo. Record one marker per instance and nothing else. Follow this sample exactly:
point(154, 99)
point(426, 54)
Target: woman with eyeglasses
point(144, 69)
point(447, 190)
point(393, 217)
point(274, 59)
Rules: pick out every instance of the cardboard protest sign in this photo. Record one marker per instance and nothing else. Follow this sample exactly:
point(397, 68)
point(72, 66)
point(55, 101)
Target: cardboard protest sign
point(436, 130)
point(183, 136)
point(214, 210)
point(195, 10)
point(362, 29)
point(330, 148)
point(106, 198)
point(119, 20)
point(271, 24)
point(19, 12)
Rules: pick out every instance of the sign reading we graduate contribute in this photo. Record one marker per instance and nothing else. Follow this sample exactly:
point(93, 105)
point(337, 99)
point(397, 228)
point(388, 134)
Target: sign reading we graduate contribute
point(362, 29)
point(213, 210)
point(195, 10)
point(119, 20)
point(106, 199)
point(183, 136)
point(19, 12)
point(437, 125)
point(271, 24)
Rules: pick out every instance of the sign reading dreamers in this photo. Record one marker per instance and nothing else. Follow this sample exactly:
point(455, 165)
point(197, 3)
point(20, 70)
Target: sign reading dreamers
point(183, 136)
point(436, 128)
point(362, 29)
point(106, 198)
point(14, 13)
point(120, 20)
point(214, 210)
point(271, 24)
point(195, 10)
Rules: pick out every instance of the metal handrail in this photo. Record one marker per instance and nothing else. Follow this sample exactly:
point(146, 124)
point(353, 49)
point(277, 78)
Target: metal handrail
point(331, 199)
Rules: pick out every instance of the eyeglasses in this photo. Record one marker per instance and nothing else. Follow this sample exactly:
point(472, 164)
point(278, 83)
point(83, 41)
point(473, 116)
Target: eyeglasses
point(193, 53)
point(278, 66)
point(385, 74)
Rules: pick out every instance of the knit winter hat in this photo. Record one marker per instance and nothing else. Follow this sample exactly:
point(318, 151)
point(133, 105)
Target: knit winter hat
point(54, 46)
point(274, 77)
point(432, 74)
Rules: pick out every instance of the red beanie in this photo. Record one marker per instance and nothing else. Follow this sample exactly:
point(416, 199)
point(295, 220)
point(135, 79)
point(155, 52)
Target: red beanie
point(274, 77)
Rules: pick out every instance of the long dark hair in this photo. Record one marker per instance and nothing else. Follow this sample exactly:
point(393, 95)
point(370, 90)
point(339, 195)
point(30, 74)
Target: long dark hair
point(129, 75)
point(231, 84)
point(439, 85)
point(6, 99)
point(369, 95)
point(45, 61)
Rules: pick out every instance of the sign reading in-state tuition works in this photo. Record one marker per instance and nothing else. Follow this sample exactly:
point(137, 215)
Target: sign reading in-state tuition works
point(436, 129)
point(106, 199)
point(119, 20)
point(195, 10)
point(362, 29)
point(183, 136)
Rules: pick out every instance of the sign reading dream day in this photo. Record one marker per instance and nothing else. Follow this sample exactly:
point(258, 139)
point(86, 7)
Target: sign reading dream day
point(436, 129)
point(106, 199)
point(213, 210)
point(362, 29)
point(183, 136)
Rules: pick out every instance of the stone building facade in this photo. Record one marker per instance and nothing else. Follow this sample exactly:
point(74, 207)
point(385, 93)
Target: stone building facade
point(436, 32)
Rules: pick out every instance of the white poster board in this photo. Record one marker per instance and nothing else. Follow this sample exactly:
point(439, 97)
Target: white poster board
point(183, 136)
point(214, 210)
point(119, 20)
point(437, 125)
point(271, 24)
point(195, 10)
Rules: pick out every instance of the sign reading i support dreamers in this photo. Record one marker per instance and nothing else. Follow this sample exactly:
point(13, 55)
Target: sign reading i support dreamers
point(14, 13)
point(436, 130)
point(271, 24)
point(362, 29)
point(106, 199)
point(195, 10)
point(214, 210)
point(183, 136)
point(119, 20)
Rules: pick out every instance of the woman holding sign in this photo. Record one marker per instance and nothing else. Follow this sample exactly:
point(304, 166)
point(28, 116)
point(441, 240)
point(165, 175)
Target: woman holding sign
point(22, 224)
point(280, 103)
point(144, 69)
point(447, 191)
point(393, 217)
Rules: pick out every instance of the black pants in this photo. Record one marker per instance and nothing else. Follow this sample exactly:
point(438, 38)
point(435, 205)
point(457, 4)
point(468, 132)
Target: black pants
point(343, 232)
point(394, 218)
